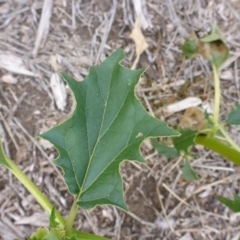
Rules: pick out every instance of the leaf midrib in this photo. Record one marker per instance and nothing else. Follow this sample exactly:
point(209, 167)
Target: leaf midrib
point(98, 139)
point(127, 145)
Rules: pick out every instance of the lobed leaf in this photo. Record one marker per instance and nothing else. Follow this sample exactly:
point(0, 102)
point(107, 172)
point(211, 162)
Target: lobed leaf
point(234, 116)
point(107, 127)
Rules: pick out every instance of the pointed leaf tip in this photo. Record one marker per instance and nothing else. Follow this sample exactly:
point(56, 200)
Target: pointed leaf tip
point(107, 127)
point(3, 158)
point(234, 204)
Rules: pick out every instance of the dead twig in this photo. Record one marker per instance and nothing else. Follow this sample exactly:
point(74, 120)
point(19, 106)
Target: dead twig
point(44, 25)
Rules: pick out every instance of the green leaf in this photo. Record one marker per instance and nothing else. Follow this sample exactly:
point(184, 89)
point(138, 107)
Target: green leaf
point(234, 204)
point(45, 234)
point(188, 173)
point(107, 127)
point(73, 237)
point(168, 152)
point(81, 236)
point(190, 47)
point(214, 35)
point(185, 141)
point(3, 158)
point(53, 223)
point(57, 234)
point(218, 49)
point(211, 47)
point(39, 234)
point(219, 147)
point(208, 118)
point(234, 116)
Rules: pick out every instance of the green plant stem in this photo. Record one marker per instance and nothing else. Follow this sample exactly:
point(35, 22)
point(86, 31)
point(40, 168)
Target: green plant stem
point(217, 146)
point(71, 217)
point(217, 96)
point(229, 139)
point(33, 189)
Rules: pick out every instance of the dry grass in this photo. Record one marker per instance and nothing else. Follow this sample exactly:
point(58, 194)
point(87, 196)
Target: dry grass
point(40, 38)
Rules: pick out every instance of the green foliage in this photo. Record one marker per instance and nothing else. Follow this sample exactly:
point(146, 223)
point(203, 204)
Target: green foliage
point(211, 47)
point(234, 116)
point(106, 128)
point(53, 223)
point(73, 237)
point(214, 48)
point(185, 140)
point(218, 49)
point(57, 234)
point(190, 48)
point(188, 173)
point(208, 119)
point(3, 158)
point(219, 147)
point(214, 35)
point(234, 204)
point(46, 234)
point(168, 152)
point(76, 235)
point(109, 125)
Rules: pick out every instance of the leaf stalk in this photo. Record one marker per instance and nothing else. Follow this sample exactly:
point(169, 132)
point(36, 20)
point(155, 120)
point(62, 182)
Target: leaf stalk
point(33, 189)
point(217, 96)
point(229, 139)
point(71, 217)
point(217, 146)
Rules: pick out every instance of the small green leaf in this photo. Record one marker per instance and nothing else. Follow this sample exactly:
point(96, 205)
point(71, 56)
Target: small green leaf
point(234, 116)
point(188, 173)
point(190, 48)
point(107, 127)
point(218, 49)
point(39, 234)
point(46, 234)
point(234, 204)
point(185, 140)
point(219, 53)
point(208, 118)
point(211, 47)
point(57, 234)
point(168, 152)
point(53, 223)
point(81, 236)
point(214, 35)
